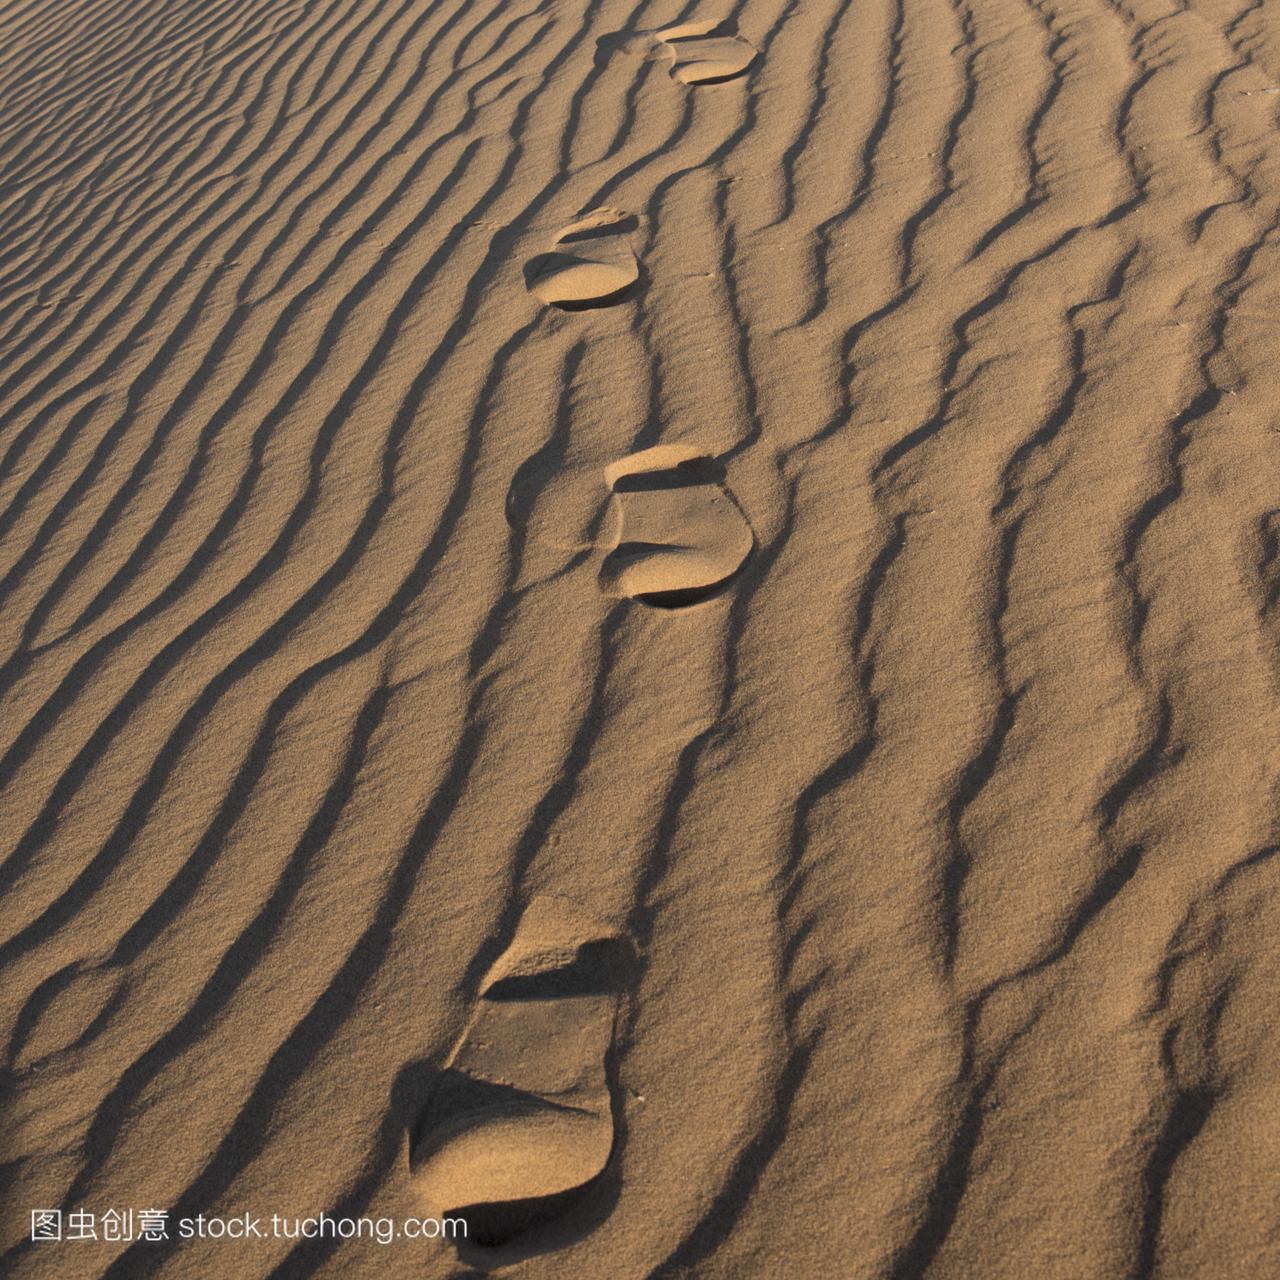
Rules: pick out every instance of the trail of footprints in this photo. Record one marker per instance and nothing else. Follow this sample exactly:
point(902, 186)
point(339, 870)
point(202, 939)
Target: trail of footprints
point(519, 1129)
point(679, 534)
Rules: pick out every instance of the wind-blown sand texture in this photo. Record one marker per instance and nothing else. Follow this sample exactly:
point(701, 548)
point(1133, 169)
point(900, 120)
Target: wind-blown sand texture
point(901, 899)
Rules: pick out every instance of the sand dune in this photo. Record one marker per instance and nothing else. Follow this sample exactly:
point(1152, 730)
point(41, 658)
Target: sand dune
point(653, 624)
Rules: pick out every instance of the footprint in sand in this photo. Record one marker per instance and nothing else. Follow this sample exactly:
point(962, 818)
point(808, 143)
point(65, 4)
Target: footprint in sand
point(696, 52)
point(522, 1120)
point(680, 534)
point(591, 265)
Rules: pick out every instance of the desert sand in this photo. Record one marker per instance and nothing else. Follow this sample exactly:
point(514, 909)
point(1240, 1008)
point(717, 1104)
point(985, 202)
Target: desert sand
point(651, 628)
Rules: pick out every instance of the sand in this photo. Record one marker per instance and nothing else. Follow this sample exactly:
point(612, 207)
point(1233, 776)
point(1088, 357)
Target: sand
point(651, 626)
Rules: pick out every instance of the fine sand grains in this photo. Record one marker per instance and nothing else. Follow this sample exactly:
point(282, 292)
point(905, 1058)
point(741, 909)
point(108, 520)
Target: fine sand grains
point(652, 626)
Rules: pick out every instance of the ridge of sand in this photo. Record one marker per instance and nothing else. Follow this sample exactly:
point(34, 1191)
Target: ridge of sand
point(945, 833)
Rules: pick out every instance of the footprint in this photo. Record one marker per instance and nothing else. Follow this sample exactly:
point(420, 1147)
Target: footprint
point(522, 1120)
point(696, 52)
point(681, 535)
point(591, 266)
point(708, 59)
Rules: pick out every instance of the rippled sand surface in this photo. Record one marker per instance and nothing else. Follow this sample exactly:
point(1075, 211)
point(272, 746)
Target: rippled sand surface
point(652, 626)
